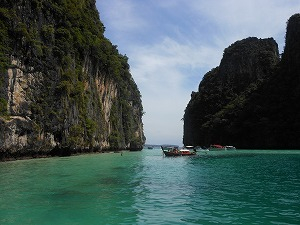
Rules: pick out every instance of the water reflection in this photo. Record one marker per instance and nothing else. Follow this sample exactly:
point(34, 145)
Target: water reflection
point(164, 190)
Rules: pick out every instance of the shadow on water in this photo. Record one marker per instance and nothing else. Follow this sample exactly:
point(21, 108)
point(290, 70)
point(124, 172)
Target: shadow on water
point(243, 153)
point(224, 155)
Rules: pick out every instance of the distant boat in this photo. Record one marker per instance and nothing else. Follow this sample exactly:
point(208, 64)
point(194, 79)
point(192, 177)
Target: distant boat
point(175, 151)
point(220, 147)
point(150, 147)
point(230, 147)
point(216, 148)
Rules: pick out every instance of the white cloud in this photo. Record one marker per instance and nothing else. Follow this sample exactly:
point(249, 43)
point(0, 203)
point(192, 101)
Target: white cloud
point(121, 16)
point(166, 62)
point(235, 19)
point(165, 73)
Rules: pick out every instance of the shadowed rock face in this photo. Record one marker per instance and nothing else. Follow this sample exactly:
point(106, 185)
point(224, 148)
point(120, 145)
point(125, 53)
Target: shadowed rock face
point(63, 85)
point(291, 55)
point(249, 100)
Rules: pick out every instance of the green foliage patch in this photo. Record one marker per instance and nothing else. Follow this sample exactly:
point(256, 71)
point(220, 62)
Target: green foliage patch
point(57, 38)
point(3, 107)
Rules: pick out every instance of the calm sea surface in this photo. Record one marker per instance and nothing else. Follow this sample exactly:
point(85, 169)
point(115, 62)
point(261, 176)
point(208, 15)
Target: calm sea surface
point(232, 187)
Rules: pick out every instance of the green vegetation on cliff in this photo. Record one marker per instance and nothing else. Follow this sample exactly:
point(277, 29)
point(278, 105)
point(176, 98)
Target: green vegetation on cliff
point(77, 73)
point(250, 100)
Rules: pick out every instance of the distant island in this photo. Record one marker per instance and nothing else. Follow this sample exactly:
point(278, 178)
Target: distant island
point(64, 87)
point(251, 100)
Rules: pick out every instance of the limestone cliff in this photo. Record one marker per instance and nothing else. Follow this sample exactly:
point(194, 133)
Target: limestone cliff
point(64, 88)
point(250, 100)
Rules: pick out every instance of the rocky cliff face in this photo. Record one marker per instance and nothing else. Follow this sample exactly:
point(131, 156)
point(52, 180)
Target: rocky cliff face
point(64, 87)
point(249, 100)
point(244, 66)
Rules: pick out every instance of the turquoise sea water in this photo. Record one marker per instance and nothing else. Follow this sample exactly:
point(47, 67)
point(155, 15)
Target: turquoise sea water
point(233, 187)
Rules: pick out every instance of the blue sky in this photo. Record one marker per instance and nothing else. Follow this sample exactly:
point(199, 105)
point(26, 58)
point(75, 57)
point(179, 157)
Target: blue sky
point(171, 44)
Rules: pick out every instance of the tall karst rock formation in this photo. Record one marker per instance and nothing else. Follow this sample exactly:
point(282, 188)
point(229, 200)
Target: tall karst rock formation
point(64, 87)
point(251, 99)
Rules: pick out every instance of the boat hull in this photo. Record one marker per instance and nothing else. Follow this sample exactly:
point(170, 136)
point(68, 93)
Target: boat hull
point(216, 148)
